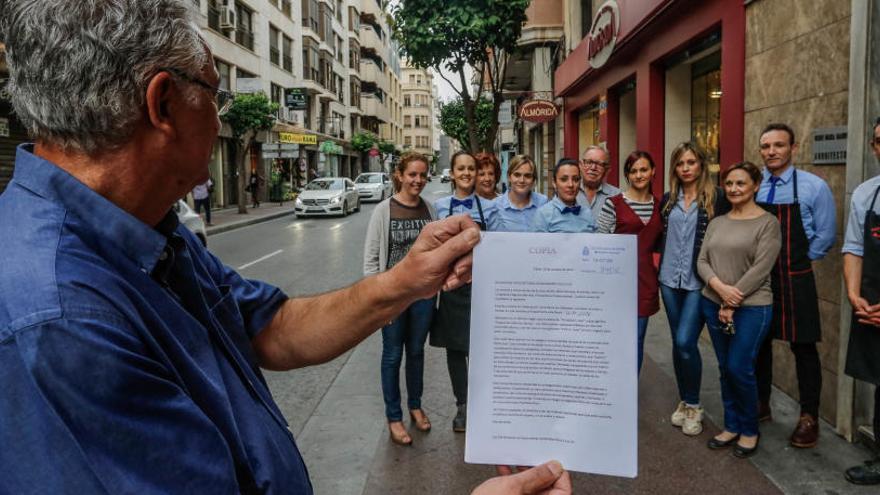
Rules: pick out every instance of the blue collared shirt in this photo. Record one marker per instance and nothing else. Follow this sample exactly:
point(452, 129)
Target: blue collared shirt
point(604, 192)
point(125, 353)
point(494, 222)
point(854, 239)
point(519, 219)
point(549, 218)
point(818, 213)
point(677, 269)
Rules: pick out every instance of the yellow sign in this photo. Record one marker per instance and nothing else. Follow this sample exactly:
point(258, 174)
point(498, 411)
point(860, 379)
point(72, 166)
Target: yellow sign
point(291, 138)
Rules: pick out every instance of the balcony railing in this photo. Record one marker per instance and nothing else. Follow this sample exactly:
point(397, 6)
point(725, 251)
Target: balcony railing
point(244, 38)
point(288, 63)
point(274, 56)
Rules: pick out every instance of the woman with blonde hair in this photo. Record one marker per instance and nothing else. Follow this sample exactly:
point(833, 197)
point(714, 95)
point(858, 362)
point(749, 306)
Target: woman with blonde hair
point(519, 204)
point(691, 203)
point(393, 228)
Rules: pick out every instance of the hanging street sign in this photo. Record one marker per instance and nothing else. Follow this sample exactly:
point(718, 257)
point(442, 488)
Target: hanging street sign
point(292, 138)
point(538, 111)
point(330, 148)
point(295, 99)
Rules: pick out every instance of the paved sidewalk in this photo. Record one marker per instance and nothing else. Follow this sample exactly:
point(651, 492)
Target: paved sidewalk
point(227, 219)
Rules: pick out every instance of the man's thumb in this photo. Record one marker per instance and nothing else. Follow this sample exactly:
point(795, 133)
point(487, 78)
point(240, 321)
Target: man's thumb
point(539, 478)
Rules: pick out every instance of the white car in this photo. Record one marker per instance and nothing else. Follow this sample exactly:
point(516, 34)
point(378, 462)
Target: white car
point(328, 196)
point(373, 186)
point(191, 220)
point(445, 176)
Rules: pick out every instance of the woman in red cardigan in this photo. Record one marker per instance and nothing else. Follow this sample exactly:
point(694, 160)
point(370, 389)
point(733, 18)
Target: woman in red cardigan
point(636, 211)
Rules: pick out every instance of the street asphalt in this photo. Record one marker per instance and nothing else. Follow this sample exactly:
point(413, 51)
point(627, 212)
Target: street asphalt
point(335, 410)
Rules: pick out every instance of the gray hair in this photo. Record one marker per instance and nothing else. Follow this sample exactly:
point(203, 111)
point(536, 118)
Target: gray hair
point(79, 69)
point(598, 148)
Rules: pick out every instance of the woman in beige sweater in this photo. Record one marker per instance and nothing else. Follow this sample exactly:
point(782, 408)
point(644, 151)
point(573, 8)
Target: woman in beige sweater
point(738, 252)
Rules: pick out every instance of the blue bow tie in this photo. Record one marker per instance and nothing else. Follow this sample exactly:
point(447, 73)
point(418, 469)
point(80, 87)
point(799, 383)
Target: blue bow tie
point(467, 203)
point(576, 210)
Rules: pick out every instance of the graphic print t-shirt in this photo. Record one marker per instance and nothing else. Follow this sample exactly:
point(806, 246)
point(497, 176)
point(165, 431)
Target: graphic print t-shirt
point(406, 223)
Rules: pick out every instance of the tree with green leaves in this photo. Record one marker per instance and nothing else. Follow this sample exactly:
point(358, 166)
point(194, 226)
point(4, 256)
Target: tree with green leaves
point(459, 34)
point(248, 115)
point(453, 121)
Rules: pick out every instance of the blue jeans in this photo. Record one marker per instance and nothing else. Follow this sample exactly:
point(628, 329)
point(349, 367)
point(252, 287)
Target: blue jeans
point(736, 362)
point(409, 330)
point(685, 324)
point(642, 328)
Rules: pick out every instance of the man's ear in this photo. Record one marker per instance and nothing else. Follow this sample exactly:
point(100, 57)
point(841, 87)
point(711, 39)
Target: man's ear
point(160, 93)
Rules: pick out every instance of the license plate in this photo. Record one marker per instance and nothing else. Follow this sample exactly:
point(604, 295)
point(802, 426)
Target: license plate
point(315, 209)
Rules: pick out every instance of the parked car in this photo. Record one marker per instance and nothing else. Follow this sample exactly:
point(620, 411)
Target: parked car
point(373, 186)
point(445, 176)
point(191, 220)
point(328, 196)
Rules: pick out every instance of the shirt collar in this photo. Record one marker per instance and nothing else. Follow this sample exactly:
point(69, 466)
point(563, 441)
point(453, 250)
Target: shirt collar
point(504, 202)
point(106, 222)
point(785, 178)
point(558, 203)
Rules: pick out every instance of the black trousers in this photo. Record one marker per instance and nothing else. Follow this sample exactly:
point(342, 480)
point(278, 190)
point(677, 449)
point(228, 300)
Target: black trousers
point(206, 204)
point(457, 363)
point(807, 366)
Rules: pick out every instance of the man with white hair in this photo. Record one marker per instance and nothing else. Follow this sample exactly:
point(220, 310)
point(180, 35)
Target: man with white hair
point(594, 166)
point(130, 356)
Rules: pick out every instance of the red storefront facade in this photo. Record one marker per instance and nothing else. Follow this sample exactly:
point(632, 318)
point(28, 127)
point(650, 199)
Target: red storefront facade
point(634, 97)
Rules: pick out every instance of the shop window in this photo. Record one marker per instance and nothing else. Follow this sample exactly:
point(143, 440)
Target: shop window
point(706, 107)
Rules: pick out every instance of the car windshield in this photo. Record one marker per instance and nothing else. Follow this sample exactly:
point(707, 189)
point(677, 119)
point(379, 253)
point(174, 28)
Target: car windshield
point(325, 185)
point(369, 179)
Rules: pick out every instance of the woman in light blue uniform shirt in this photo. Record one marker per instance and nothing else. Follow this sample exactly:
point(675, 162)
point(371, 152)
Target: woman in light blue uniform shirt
point(452, 321)
point(563, 213)
point(520, 203)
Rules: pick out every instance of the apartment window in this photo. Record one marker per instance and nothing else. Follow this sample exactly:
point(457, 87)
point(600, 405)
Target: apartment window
point(339, 50)
point(354, 20)
point(419, 79)
point(274, 52)
point(418, 121)
point(354, 90)
point(310, 15)
point(244, 34)
point(311, 59)
point(586, 17)
point(407, 141)
point(286, 8)
point(213, 15)
point(412, 78)
point(406, 101)
point(287, 53)
point(325, 29)
point(243, 74)
point(407, 121)
point(274, 3)
point(224, 70)
point(277, 97)
point(354, 56)
point(339, 11)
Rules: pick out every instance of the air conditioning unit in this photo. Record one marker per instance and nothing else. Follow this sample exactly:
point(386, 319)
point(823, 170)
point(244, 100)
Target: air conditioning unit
point(228, 17)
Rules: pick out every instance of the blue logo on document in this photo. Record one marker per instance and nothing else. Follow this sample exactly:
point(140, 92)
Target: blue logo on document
point(586, 251)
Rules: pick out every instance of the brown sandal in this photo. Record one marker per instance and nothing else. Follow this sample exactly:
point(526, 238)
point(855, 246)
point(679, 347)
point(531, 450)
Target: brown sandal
point(421, 424)
point(399, 438)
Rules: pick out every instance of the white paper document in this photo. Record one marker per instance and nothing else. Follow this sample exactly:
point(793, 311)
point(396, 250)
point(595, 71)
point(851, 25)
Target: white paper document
point(553, 352)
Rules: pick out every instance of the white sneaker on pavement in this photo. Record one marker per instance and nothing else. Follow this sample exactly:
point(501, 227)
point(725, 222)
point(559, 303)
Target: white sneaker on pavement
point(693, 421)
point(678, 415)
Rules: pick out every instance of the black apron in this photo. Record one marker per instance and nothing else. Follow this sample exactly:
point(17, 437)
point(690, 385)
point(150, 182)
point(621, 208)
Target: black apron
point(451, 327)
point(863, 354)
point(795, 300)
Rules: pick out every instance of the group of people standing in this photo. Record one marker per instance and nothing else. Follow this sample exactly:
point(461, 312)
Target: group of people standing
point(736, 259)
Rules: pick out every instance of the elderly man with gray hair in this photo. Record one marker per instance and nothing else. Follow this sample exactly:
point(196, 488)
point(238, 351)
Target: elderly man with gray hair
point(130, 356)
point(594, 166)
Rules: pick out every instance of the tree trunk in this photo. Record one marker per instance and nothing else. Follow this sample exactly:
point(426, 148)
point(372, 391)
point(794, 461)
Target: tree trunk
point(471, 119)
point(242, 146)
point(497, 100)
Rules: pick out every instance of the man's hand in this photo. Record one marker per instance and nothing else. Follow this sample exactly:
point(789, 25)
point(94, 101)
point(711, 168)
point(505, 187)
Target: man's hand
point(867, 314)
point(440, 258)
point(547, 479)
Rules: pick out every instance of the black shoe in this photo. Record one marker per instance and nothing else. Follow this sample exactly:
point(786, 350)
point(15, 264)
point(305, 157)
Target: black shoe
point(716, 444)
point(459, 423)
point(865, 474)
point(743, 452)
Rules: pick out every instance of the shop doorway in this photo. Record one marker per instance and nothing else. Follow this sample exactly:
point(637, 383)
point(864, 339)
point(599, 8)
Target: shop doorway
point(627, 127)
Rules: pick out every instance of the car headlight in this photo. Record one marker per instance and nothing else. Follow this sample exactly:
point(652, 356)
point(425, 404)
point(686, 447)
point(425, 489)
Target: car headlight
point(298, 202)
point(336, 200)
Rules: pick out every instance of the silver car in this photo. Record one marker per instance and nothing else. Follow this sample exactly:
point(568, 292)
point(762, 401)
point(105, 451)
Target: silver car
point(191, 220)
point(328, 196)
point(373, 186)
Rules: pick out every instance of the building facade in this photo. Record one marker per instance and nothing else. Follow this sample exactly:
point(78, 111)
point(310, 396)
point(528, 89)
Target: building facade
point(418, 110)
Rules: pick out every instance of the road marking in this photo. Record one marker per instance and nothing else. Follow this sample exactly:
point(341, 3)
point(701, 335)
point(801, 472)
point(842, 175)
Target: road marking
point(264, 258)
point(338, 226)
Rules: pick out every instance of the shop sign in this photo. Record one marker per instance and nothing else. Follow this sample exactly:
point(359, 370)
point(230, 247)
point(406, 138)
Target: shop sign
point(330, 148)
point(538, 111)
point(292, 138)
point(4, 127)
point(603, 34)
point(374, 152)
point(280, 146)
point(295, 99)
point(829, 145)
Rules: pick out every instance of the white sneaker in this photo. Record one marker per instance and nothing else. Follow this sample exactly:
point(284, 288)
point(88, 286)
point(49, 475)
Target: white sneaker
point(693, 421)
point(678, 415)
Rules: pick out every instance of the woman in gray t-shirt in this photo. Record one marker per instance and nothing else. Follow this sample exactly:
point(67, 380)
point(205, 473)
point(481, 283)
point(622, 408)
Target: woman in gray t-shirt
point(738, 252)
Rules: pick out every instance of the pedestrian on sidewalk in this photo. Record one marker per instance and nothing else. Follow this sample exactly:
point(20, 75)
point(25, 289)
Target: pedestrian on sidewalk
point(594, 190)
point(563, 213)
point(519, 203)
point(804, 206)
point(254, 184)
point(128, 351)
point(488, 175)
point(394, 226)
point(202, 199)
point(452, 323)
point(635, 211)
point(735, 260)
point(691, 203)
point(861, 272)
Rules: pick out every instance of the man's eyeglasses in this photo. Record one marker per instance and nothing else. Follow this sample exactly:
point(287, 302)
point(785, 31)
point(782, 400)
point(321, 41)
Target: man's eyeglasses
point(222, 98)
point(594, 164)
